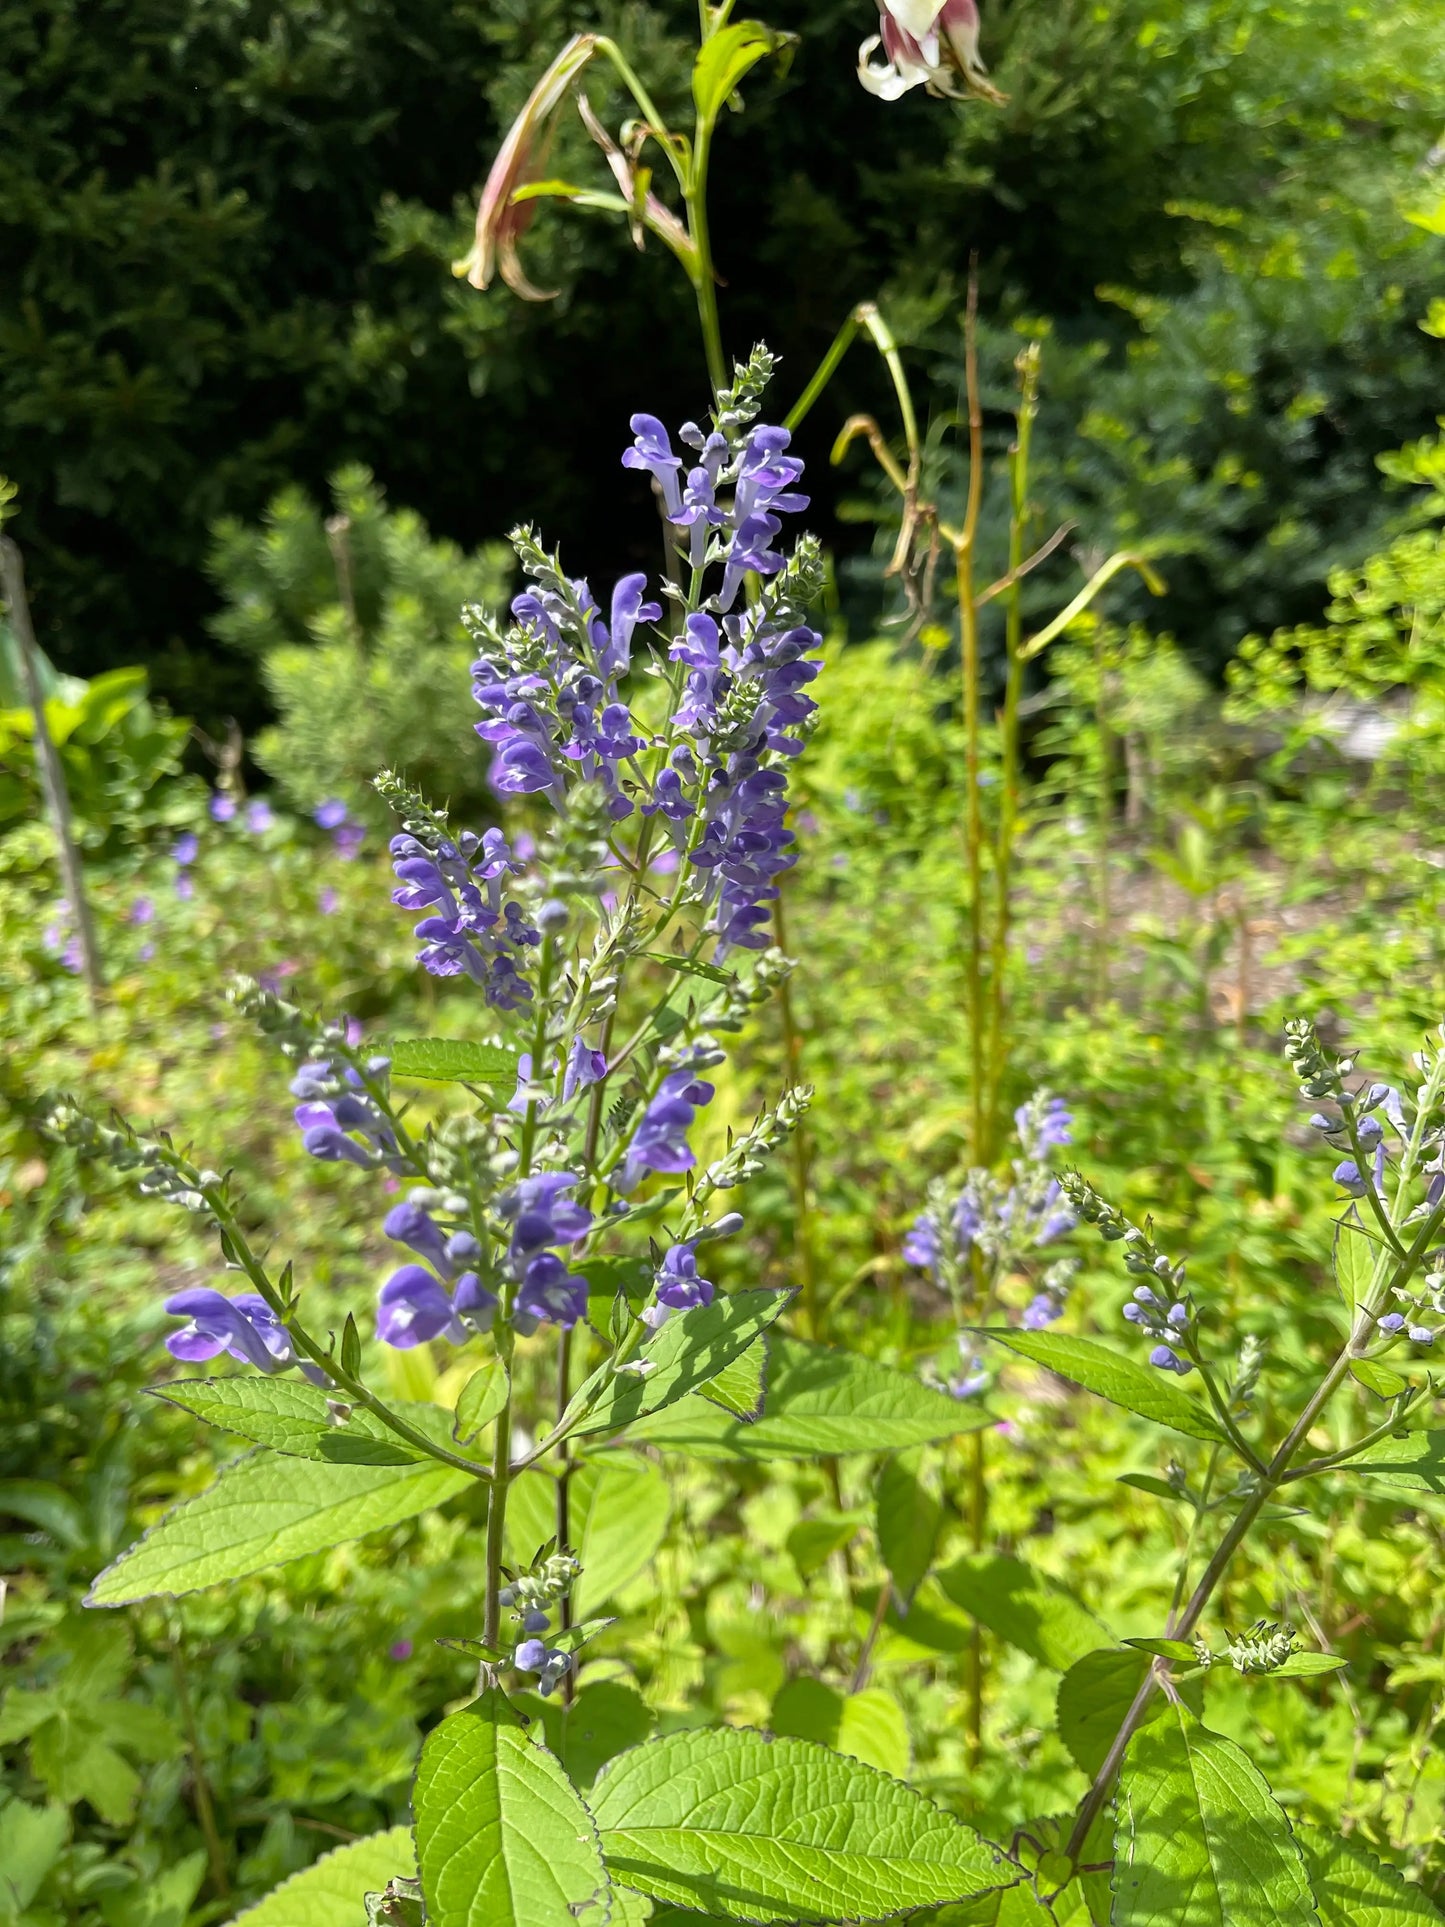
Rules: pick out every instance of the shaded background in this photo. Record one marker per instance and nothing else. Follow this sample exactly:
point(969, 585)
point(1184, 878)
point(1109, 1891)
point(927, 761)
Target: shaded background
point(224, 265)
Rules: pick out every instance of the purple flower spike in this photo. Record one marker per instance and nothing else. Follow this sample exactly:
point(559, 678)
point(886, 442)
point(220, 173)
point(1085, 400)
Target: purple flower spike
point(413, 1308)
point(244, 1326)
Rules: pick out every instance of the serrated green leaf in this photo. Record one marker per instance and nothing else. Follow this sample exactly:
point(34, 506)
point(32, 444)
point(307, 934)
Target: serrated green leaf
point(812, 1542)
point(1096, 1693)
point(740, 1388)
point(819, 1403)
point(263, 1510)
point(689, 1350)
point(285, 1414)
point(443, 1060)
point(732, 1823)
point(727, 57)
point(1138, 1388)
point(482, 1397)
point(1410, 1462)
point(1024, 1607)
point(502, 1836)
point(332, 1892)
point(909, 1514)
point(1354, 1889)
point(1200, 1837)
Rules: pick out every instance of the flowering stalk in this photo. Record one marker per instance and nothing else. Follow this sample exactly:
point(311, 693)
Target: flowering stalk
point(1396, 1267)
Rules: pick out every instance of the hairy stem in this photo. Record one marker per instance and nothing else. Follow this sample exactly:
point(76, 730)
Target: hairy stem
point(497, 1525)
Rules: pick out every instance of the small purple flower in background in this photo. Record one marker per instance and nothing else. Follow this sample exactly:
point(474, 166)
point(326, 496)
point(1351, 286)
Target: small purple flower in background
point(245, 1326)
point(347, 841)
point(679, 1287)
point(185, 886)
point(399, 1650)
point(1044, 1124)
point(259, 816)
point(146, 952)
point(659, 1143)
point(331, 814)
point(327, 900)
point(186, 849)
point(273, 978)
point(972, 1377)
point(222, 806)
point(143, 910)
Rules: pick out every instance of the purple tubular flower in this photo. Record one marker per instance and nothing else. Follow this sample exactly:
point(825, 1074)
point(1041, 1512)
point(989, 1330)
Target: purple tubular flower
point(651, 451)
point(410, 1225)
point(245, 1326)
point(585, 1067)
point(1040, 1311)
point(413, 1307)
point(541, 1214)
point(628, 609)
point(1393, 1321)
point(679, 1288)
point(1168, 1360)
point(472, 1302)
point(659, 1142)
point(335, 1110)
point(549, 1292)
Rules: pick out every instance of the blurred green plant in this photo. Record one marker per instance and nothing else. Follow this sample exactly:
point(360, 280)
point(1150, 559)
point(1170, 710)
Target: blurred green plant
point(353, 620)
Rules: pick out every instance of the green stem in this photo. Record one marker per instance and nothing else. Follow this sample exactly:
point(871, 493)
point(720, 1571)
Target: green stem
point(704, 281)
point(497, 1525)
point(200, 1781)
point(1186, 1559)
point(826, 369)
point(981, 1146)
point(802, 1204)
point(978, 1530)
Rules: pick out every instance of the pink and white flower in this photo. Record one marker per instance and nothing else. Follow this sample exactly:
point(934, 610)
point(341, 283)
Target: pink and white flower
point(926, 43)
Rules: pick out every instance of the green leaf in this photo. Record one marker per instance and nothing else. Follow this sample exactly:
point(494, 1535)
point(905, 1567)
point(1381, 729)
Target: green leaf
point(820, 1403)
point(263, 1510)
point(620, 1515)
point(1023, 1607)
point(1307, 1666)
point(1354, 1889)
point(739, 1387)
point(351, 1348)
point(605, 1719)
point(443, 1060)
point(692, 966)
point(74, 1764)
point(1096, 1693)
point(1410, 1462)
point(30, 1843)
point(1138, 1388)
point(1200, 1837)
point(684, 1354)
point(727, 57)
point(286, 1414)
point(909, 1514)
point(732, 1823)
point(483, 1396)
point(812, 1542)
point(44, 1505)
point(868, 1725)
point(1175, 1649)
point(1378, 1378)
point(502, 1836)
point(1148, 1482)
point(1355, 1253)
point(345, 1447)
point(332, 1892)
